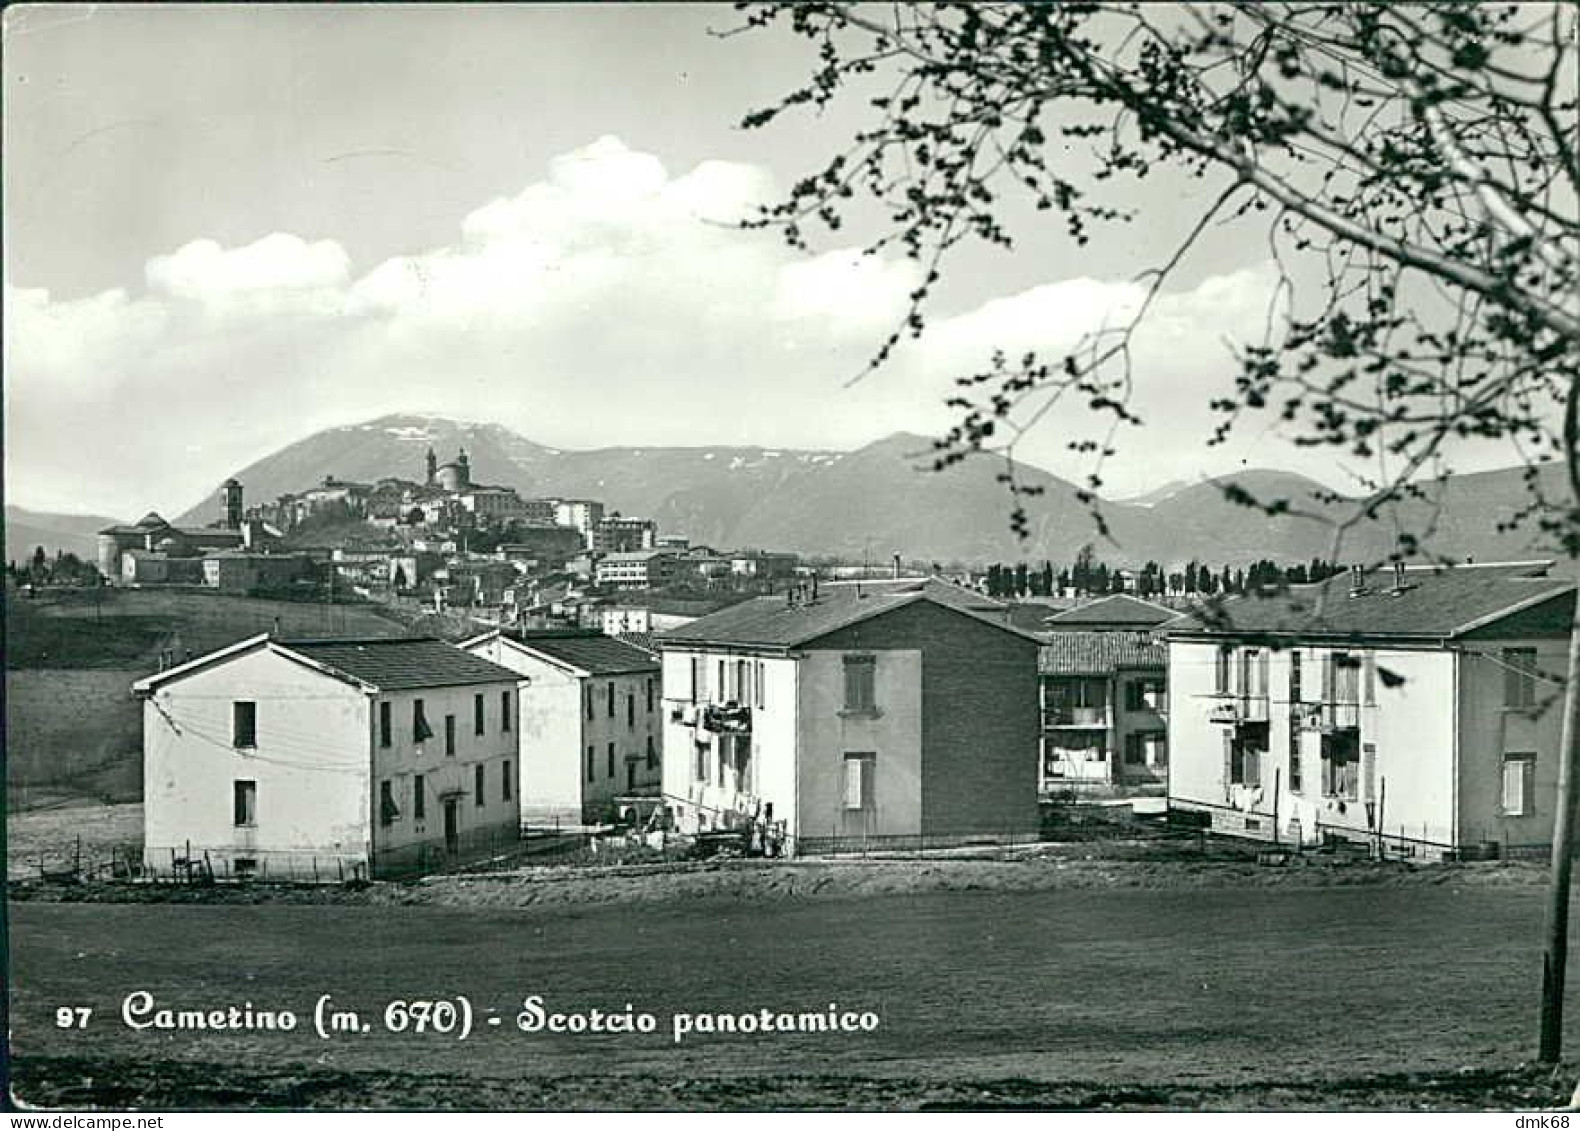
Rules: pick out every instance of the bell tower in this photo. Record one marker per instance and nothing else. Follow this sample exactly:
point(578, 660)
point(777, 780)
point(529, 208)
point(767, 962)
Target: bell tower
point(433, 467)
point(230, 492)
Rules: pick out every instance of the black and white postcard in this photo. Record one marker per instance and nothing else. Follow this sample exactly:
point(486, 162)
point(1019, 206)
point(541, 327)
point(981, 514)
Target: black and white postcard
point(850, 556)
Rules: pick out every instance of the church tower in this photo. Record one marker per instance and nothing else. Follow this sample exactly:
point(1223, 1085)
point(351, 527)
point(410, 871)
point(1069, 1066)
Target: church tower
point(230, 492)
point(433, 467)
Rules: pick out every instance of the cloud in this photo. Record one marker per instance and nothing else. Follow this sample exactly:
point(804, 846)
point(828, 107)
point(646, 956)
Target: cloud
point(277, 270)
point(610, 302)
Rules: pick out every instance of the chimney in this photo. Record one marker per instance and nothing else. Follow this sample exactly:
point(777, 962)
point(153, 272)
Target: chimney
point(1398, 577)
point(1357, 581)
point(896, 567)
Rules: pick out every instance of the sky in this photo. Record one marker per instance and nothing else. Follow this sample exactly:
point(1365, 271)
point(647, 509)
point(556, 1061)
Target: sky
point(229, 227)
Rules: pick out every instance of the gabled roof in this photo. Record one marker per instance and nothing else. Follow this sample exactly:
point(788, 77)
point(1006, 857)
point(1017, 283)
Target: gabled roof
point(401, 663)
point(583, 653)
point(642, 640)
point(636, 555)
point(774, 622)
point(1099, 653)
point(374, 663)
point(1118, 610)
point(1433, 604)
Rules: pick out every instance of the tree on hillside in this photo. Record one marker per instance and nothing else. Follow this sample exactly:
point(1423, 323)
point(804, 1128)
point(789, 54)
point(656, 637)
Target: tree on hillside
point(1413, 170)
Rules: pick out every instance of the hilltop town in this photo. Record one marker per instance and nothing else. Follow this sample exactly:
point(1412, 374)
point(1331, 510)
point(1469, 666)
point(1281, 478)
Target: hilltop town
point(440, 543)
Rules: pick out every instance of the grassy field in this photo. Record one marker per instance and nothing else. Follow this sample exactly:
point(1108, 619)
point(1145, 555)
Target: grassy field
point(1259, 998)
point(79, 628)
point(73, 730)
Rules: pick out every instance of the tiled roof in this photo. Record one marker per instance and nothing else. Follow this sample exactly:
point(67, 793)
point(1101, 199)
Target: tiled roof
point(1097, 653)
point(1030, 616)
point(1116, 610)
point(400, 663)
point(1433, 604)
point(774, 622)
point(642, 640)
point(637, 555)
point(591, 652)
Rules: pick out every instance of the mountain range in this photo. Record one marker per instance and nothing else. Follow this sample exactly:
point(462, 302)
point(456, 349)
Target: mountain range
point(883, 499)
point(26, 530)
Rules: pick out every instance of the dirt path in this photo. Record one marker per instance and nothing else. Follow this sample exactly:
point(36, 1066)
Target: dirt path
point(1053, 868)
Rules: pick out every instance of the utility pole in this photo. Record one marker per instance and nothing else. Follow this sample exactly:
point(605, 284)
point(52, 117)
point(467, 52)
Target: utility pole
point(1555, 959)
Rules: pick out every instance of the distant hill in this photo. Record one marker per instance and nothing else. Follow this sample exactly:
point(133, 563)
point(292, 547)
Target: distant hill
point(26, 530)
point(882, 499)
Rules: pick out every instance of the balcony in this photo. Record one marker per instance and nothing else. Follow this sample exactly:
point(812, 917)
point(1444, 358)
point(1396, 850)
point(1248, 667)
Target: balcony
point(1328, 717)
point(1078, 718)
point(727, 718)
point(1232, 711)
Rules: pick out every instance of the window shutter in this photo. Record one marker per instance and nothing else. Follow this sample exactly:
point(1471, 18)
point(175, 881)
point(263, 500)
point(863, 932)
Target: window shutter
point(1228, 761)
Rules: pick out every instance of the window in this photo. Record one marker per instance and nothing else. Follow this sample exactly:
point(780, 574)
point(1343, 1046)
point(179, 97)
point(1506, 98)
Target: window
point(1519, 776)
point(477, 714)
point(420, 730)
point(741, 692)
point(1294, 764)
point(650, 695)
point(245, 804)
point(387, 808)
point(1342, 678)
point(1243, 752)
point(859, 774)
point(1519, 677)
point(609, 695)
point(700, 770)
point(1294, 684)
point(386, 723)
point(762, 680)
point(1220, 671)
point(1369, 678)
point(609, 763)
point(478, 781)
point(630, 709)
point(589, 763)
point(504, 780)
point(589, 697)
point(1253, 673)
point(504, 711)
point(1143, 695)
point(720, 687)
point(699, 679)
point(449, 736)
point(859, 680)
point(419, 799)
point(244, 724)
point(652, 754)
point(1146, 748)
point(1341, 765)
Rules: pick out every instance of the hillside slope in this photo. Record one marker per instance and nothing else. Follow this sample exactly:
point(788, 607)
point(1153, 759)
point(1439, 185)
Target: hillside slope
point(881, 500)
point(26, 530)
